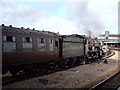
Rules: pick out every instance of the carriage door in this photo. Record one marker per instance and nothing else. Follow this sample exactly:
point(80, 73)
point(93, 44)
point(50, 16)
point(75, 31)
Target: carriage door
point(51, 44)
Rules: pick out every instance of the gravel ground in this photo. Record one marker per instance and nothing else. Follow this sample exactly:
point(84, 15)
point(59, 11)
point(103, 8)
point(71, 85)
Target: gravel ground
point(83, 76)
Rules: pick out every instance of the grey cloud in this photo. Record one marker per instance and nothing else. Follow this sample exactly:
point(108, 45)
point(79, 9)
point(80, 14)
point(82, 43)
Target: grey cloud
point(119, 17)
point(20, 15)
point(79, 14)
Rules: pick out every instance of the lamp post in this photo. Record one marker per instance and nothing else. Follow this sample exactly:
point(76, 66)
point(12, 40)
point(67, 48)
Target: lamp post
point(106, 37)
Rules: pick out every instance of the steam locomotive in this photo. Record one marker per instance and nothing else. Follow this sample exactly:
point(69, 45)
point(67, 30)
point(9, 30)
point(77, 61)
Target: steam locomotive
point(31, 50)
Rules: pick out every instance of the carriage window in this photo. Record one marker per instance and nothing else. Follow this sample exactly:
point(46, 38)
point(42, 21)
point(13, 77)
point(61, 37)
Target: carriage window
point(9, 38)
point(4, 38)
point(41, 40)
point(9, 44)
point(41, 44)
point(27, 39)
point(27, 44)
point(50, 40)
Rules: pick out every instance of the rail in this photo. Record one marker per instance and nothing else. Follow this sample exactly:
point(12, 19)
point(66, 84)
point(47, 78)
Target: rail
point(111, 54)
point(102, 82)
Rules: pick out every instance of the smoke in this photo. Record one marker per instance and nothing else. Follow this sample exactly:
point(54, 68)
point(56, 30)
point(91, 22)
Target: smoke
point(84, 18)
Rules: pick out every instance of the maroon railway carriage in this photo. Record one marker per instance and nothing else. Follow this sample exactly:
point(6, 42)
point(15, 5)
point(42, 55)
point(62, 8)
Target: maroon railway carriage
point(23, 47)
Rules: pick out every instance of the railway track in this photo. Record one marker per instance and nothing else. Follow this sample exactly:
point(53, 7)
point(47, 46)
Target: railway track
point(12, 79)
point(111, 54)
point(110, 83)
point(118, 49)
point(6, 80)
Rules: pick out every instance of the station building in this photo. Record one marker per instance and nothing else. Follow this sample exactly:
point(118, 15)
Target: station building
point(113, 39)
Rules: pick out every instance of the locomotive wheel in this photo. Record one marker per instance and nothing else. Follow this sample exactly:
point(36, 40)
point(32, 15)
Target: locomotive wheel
point(30, 70)
point(13, 72)
point(4, 71)
point(52, 65)
point(87, 61)
point(83, 62)
point(61, 65)
point(70, 63)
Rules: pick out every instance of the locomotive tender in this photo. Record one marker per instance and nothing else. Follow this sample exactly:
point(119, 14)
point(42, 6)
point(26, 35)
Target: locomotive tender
point(30, 49)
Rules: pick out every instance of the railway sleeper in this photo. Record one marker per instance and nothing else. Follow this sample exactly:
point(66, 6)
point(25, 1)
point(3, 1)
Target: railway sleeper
point(40, 68)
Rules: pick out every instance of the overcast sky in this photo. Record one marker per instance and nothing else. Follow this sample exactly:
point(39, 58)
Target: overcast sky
point(65, 17)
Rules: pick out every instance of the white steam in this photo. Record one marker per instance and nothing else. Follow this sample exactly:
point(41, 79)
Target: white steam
point(84, 18)
point(78, 17)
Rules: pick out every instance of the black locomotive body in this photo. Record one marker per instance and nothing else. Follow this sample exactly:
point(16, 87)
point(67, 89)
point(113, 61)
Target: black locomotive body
point(72, 49)
point(29, 49)
point(93, 50)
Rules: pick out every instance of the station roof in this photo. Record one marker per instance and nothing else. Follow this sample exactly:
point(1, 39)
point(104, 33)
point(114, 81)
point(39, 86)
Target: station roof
point(110, 35)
